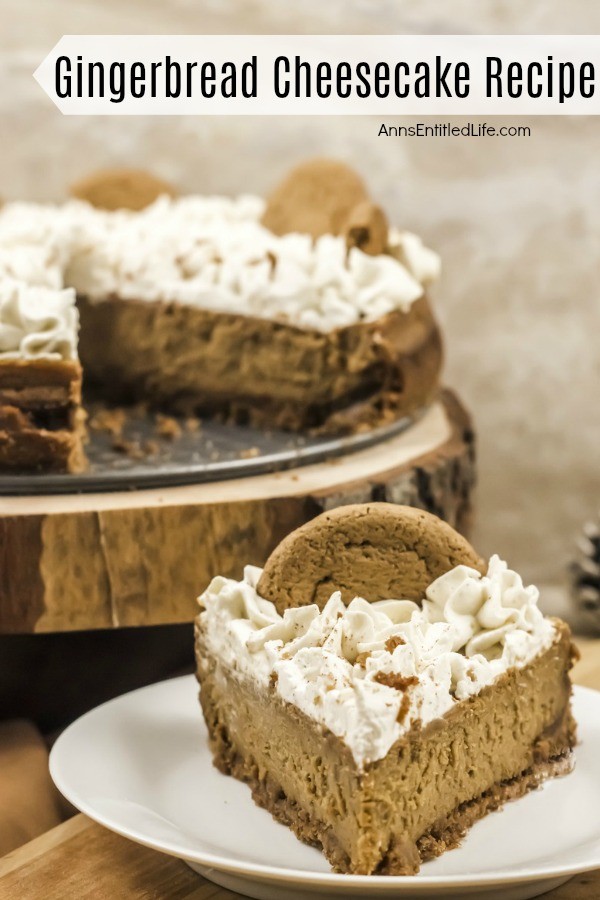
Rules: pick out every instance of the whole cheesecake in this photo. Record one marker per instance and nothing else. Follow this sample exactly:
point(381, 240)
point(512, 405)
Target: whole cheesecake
point(381, 731)
point(305, 312)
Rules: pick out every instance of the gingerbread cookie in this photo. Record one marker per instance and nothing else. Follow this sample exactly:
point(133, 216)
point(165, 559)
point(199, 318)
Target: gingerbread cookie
point(121, 189)
point(367, 228)
point(315, 198)
point(377, 551)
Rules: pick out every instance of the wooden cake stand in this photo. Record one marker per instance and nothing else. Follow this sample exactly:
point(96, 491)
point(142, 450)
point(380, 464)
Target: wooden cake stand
point(140, 557)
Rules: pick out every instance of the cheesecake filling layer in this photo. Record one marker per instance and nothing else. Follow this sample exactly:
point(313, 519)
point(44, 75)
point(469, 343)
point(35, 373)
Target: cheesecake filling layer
point(212, 253)
point(369, 672)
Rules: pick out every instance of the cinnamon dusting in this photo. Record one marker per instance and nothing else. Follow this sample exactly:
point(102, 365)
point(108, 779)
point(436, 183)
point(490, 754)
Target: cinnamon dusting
point(396, 640)
point(361, 659)
point(404, 707)
point(398, 682)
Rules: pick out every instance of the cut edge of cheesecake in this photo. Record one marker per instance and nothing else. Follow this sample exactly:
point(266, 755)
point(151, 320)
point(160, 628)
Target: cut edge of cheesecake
point(263, 372)
point(366, 821)
point(42, 421)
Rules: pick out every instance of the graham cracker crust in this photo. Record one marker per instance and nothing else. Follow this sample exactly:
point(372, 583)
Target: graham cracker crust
point(448, 833)
point(401, 858)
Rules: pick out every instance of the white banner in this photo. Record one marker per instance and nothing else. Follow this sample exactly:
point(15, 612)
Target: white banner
point(283, 75)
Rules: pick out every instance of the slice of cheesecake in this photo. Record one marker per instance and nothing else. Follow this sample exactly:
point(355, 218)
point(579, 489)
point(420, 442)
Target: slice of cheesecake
point(42, 422)
point(382, 731)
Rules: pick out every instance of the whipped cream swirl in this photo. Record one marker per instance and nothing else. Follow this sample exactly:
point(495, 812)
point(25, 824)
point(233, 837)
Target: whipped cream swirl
point(214, 253)
point(368, 671)
point(211, 252)
point(494, 615)
point(37, 322)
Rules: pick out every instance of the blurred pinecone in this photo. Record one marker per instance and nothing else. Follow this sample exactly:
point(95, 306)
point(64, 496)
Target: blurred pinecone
point(585, 576)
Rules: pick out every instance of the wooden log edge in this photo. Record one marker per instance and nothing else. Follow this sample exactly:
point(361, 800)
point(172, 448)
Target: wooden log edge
point(141, 558)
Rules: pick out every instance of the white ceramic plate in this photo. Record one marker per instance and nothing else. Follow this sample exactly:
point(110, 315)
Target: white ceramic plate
point(140, 765)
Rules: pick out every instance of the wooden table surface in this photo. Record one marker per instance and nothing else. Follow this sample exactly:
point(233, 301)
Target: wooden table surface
point(83, 861)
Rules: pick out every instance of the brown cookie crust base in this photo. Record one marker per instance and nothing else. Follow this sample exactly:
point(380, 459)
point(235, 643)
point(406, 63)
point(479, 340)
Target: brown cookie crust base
point(448, 833)
point(401, 858)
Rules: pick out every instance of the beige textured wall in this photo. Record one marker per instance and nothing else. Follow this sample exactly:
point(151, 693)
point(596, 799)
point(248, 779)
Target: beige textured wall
point(517, 222)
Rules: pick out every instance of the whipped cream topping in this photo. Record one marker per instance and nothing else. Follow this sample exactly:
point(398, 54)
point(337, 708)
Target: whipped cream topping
point(38, 317)
point(37, 321)
point(422, 263)
point(369, 671)
point(214, 253)
point(211, 252)
point(35, 243)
